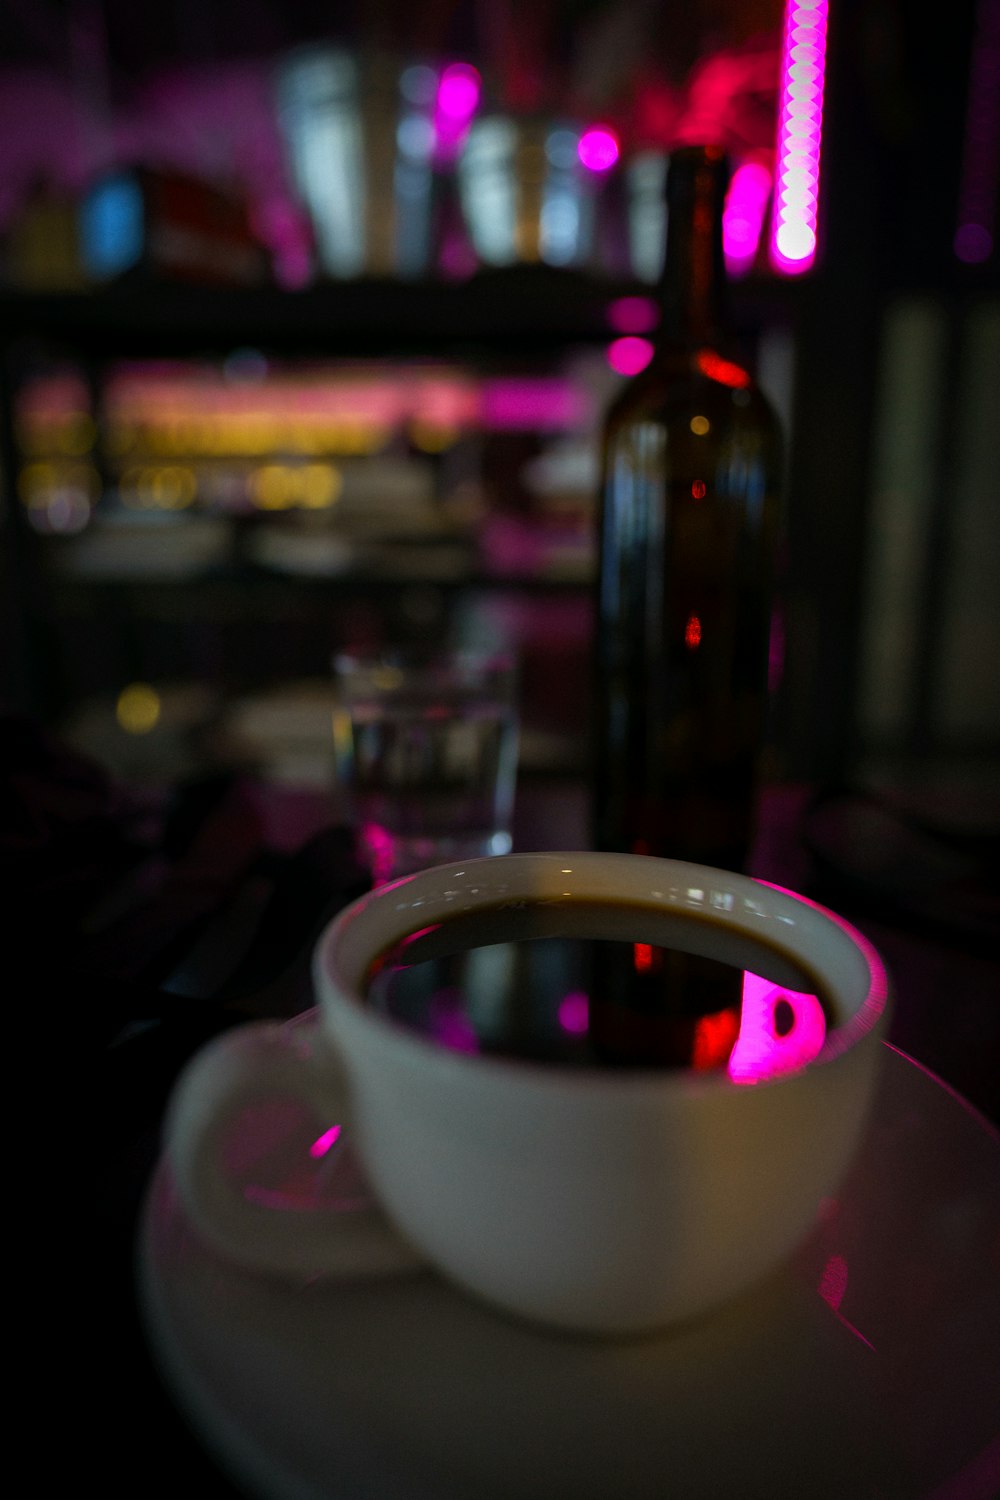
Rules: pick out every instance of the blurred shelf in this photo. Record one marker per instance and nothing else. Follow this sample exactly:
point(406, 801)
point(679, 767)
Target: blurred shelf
point(149, 592)
point(523, 310)
point(94, 617)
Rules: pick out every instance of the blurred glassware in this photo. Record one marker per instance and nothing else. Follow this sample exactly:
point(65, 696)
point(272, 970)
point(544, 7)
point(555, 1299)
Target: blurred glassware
point(413, 170)
point(646, 177)
point(525, 192)
point(425, 748)
point(320, 112)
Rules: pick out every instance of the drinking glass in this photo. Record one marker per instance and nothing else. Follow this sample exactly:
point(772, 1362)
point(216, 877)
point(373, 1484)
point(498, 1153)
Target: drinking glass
point(425, 748)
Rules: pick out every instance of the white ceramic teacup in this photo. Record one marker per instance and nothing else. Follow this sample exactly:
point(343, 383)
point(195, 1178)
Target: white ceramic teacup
point(593, 1199)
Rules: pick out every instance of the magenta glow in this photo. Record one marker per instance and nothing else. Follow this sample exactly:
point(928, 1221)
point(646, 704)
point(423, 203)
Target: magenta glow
point(457, 100)
point(547, 403)
point(629, 355)
point(380, 846)
point(780, 1030)
point(458, 91)
point(598, 148)
point(743, 216)
point(574, 1013)
point(323, 1143)
point(449, 1024)
point(800, 126)
point(633, 314)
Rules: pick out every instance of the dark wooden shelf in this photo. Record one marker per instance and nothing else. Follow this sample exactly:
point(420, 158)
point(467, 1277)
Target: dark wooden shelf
point(525, 310)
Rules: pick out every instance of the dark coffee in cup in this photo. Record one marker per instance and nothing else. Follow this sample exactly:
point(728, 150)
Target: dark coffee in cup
point(531, 982)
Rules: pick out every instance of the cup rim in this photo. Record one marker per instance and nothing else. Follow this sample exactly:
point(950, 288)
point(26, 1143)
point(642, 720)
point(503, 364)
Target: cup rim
point(337, 991)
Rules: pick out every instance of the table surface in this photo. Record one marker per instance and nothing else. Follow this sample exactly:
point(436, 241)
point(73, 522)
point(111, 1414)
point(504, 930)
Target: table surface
point(946, 975)
point(864, 1365)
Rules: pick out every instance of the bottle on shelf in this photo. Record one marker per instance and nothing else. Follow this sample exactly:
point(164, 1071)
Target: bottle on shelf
point(691, 461)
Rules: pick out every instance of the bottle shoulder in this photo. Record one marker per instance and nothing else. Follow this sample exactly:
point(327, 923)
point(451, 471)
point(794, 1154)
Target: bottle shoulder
point(674, 389)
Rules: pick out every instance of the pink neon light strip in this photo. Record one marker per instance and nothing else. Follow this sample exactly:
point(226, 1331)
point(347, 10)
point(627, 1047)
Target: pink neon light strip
point(800, 128)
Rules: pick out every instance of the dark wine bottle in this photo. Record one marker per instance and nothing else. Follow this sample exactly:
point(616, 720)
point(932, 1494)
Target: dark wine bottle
point(688, 527)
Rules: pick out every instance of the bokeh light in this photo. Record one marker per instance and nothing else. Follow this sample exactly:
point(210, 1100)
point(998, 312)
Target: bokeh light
point(633, 314)
point(574, 1013)
point(629, 355)
point(800, 126)
point(138, 708)
point(598, 148)
point(743, 216)
point(458, 91)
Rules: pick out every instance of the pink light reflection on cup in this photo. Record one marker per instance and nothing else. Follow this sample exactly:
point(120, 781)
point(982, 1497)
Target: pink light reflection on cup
point(449, 1024)
point(764, 1047)
point(574, 1012)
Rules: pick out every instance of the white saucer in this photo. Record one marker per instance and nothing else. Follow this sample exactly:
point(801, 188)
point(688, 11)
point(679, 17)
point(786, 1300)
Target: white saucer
point(868, 1368)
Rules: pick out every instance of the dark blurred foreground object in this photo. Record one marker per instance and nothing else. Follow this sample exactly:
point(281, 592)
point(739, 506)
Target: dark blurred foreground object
point(687, 539)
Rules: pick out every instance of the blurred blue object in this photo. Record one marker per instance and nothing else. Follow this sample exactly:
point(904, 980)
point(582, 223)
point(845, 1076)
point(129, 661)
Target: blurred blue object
point(111, 226)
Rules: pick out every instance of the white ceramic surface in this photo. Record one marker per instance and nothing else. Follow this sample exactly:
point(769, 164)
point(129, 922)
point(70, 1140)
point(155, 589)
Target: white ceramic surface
point(865, 1368)
point(599, 1200)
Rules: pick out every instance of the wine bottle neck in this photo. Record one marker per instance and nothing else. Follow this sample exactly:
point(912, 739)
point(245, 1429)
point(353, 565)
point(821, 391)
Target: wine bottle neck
point(694, 278)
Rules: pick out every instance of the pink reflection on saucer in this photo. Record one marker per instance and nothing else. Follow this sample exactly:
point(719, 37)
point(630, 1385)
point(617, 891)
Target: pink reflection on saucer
point(780, 1030)
point(832, 1286)
point(323, 1143)
point(833, 1281)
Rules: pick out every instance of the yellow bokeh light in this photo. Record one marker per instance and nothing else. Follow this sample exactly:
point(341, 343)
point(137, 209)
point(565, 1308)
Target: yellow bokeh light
point(432, 437)
point(173, 487)
point(319, 485)
point(700, 425)
point(282, 486)
point(138, 708)
point(270, 487)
